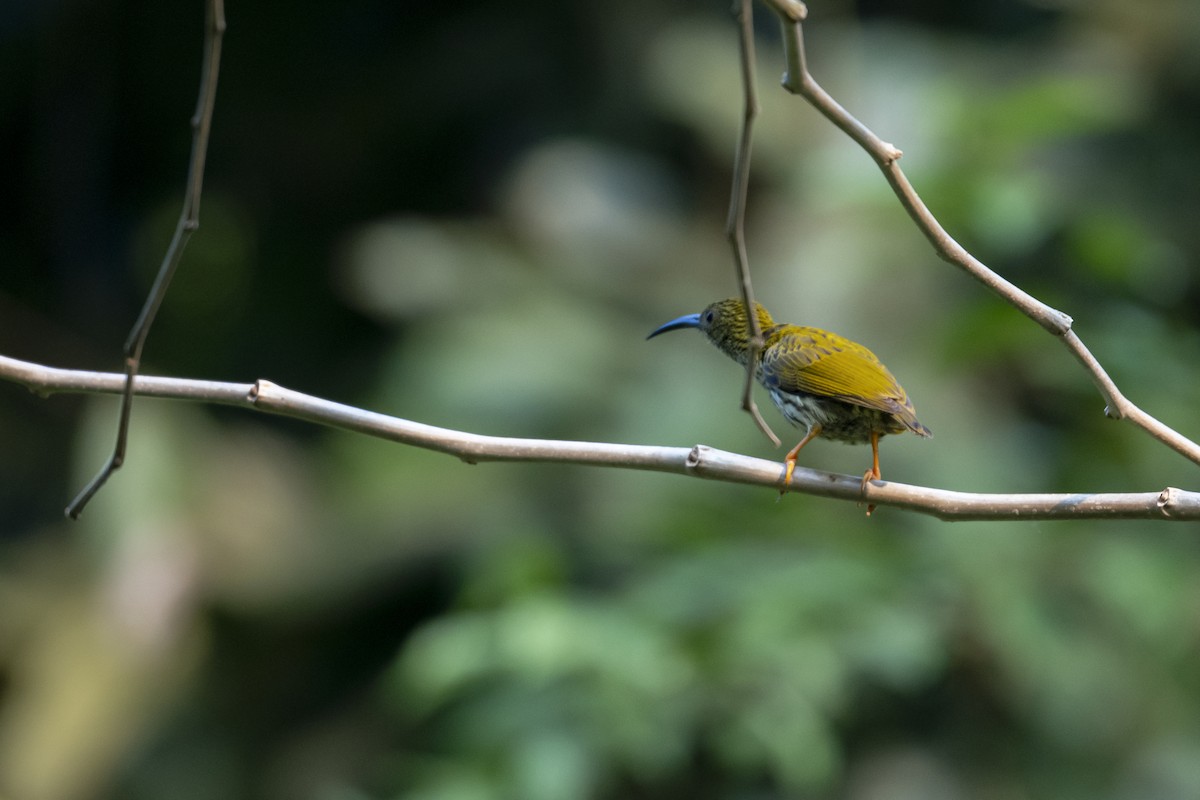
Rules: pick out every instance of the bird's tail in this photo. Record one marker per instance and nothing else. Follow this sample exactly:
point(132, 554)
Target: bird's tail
point(916, 427)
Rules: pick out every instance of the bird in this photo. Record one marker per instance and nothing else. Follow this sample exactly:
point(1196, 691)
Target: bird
point(826, 384)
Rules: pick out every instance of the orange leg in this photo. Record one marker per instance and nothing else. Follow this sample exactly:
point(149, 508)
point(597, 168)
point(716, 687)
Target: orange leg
point(790, 459)
point(873, 473)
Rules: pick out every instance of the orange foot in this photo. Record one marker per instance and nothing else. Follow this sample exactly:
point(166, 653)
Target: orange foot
point(868, 476)
point(789, 460)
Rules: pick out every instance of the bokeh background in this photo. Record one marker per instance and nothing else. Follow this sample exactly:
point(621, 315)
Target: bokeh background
point(470, 214)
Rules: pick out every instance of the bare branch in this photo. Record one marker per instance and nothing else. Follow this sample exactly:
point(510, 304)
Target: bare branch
point(735, 226)
point(189, 221)
point(699, 461)
point(799, 81)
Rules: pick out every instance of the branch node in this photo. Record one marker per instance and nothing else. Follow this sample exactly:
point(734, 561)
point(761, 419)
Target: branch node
point(793, 10)
point(1057, 322)
point(1168, 501)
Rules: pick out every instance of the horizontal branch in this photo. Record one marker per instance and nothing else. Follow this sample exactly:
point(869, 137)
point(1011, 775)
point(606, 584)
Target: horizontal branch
point(699, 461)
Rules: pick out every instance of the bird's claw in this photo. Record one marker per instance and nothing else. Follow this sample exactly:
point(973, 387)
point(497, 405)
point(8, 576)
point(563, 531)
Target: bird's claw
point(790, 466)
point(868, 476)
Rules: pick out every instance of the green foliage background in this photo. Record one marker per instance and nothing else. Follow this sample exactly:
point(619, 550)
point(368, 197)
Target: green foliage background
point(470, 214)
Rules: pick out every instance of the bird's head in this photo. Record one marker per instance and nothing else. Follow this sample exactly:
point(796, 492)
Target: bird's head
point(726, 325)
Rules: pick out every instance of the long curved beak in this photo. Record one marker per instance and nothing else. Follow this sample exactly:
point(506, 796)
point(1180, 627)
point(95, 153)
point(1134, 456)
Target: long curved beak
point(686, 321)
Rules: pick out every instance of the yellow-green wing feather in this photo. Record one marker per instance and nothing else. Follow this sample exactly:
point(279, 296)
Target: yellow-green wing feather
point(810, 360)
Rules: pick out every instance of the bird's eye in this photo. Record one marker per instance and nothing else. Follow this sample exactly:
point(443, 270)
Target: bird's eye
point(709, 316)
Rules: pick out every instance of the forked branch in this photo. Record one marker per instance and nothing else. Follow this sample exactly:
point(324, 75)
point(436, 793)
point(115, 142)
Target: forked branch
point(799, 80)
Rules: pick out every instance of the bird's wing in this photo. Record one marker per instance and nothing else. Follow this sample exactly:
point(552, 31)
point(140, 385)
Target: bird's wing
point(810, 360)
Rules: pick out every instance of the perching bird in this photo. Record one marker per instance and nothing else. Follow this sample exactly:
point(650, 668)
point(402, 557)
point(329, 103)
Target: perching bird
point(830, 386)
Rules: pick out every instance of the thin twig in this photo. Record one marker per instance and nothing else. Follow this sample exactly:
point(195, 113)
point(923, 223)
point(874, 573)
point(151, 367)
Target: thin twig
point(735, 226)
point(699, 461)
point(189, 221)
point(799, 80)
